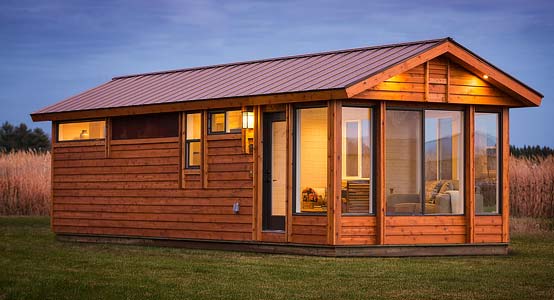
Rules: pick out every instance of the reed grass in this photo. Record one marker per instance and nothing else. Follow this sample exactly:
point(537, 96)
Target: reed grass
point(25, 183)
point(532, 187)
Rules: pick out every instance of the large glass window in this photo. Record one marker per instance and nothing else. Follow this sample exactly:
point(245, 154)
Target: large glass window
point(356, 162)
point(443, 162)
point(193, 140)
point(75, 131)
point(403, 162)
point(145, 126)
point(311, 160)
point(225, 121)
point(486, 163)
point(438, 161)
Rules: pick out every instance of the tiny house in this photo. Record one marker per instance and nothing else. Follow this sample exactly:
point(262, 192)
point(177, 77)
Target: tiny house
point(381, 151)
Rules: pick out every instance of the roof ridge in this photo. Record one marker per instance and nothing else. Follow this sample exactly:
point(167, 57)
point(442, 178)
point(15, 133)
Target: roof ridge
point(286, 57)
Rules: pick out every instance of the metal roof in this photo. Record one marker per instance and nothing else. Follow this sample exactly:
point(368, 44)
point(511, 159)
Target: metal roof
point(301, 73)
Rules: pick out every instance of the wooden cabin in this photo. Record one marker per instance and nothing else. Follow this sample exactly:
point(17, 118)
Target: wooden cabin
point(389, 150)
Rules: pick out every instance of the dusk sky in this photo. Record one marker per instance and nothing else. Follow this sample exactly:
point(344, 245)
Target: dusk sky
point(50, 50)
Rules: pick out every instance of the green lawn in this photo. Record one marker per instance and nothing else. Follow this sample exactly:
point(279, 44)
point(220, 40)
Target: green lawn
point(34, 266)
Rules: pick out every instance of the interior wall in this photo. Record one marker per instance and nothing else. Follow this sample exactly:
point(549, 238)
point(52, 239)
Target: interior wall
point(312, 149)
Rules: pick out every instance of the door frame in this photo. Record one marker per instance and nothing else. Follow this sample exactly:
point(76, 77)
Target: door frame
point(271, 223)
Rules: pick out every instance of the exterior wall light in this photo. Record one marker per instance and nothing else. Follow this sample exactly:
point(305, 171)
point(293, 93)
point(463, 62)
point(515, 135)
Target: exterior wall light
point(247, 119)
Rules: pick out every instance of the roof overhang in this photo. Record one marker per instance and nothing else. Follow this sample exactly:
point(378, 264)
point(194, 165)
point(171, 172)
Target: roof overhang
point(310, 96)
point(462, 56)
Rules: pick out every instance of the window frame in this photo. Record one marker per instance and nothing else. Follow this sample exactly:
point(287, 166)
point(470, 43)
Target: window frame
point(187, 143)
point(500, 153)
point(295, 157)
point(422, 157)
point(223, 111)
point(373, 139)
point(58, 123)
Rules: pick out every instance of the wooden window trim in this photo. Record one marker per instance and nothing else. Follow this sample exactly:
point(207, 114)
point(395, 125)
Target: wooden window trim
point(223, 111)
point(499, 156)
point(374, 124)
point(187, 142)
point(294, 111)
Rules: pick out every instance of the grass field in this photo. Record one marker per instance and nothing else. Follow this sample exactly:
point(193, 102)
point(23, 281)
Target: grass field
point(34, 266)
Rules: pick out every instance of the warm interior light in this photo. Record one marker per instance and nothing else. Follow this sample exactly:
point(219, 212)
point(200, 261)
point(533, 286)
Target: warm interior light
point(84, 135)
point(247, 119)
point(486, 76)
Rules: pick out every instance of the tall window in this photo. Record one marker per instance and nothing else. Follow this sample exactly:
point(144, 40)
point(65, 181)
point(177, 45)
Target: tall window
point(403, 161)
point(356, 162)
point(486, 163)
point(443, 162)
point(76, 131)
point(225, 121)
point(145, 126)
point(311, 160)
point(193, 140)
point(424, 162)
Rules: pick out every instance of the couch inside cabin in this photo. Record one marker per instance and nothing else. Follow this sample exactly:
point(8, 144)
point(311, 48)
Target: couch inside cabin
point(441, 197)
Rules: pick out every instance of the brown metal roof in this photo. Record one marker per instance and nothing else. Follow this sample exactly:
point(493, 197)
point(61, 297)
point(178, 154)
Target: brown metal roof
point(301, 73)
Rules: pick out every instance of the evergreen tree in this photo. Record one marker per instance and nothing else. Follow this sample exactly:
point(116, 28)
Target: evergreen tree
point(16, 138)
point(531, 152)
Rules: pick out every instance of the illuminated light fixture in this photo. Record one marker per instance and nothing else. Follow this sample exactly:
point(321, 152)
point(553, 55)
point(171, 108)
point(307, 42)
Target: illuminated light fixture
point(247, 119)
point(486, 76)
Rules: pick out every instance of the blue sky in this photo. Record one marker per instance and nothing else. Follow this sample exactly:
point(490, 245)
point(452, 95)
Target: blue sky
point(52, 49)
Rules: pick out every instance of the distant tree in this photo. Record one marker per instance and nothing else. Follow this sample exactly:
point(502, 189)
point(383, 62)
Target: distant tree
point(531, 152)
point(16, 138)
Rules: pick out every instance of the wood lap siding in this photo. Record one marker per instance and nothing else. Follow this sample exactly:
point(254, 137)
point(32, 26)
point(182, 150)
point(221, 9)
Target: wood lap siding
point(135, 192)
point(308, 229)
point(447, 82)
point(358, 230)
point(425, 230)
point(488, 229)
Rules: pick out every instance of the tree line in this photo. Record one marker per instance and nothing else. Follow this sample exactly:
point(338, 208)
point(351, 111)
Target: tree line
point(17, 138)
point(531, 152)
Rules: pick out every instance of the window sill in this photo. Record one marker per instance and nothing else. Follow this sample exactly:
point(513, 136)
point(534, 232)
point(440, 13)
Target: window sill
point(192, 171)
point(357, 215)
point(145, 141)
point(224, 136)
point(425, 215)
point(309, 214)
point(76, 143)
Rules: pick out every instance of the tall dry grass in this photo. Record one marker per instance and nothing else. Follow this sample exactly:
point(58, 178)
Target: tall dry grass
point(25, 183)
point(532, 187)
